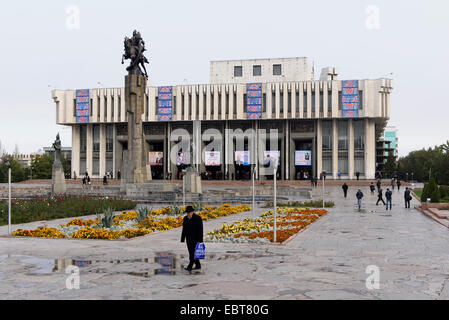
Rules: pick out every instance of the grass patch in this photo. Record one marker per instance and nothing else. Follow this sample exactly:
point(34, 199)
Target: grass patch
point(44, 209)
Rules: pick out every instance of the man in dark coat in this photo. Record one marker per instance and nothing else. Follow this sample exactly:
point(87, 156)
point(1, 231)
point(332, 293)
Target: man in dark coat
point(345, 189)
point(192, 230)
point(407, 197)
point(380, 197)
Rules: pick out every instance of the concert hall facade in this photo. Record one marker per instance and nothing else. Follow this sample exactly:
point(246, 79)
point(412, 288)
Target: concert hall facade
point(327, 125)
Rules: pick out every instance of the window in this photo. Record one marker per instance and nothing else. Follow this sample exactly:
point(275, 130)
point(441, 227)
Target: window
point(340, 103)
point(281, 103)
point(238, 71)
point(343, 135)
point(297, 102)
point(327, 135)
point(109, 138)
point(264, 103)
point(83, 138)
point(74, 107)
point(329, 101)
point(156, 103)
point(277, 69)
point(343, 165)
point(360, 99)
point(257, 70)
point(313, 101)
point(359, 134)
point(321, 101)
point(96, 138)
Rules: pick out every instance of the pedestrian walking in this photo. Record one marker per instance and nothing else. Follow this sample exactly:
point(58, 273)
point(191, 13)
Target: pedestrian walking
point(398, 183)
point(88, 180)
point(372, 188)
point(105, 180)
point(380, 197)
point(359, 196)
point(339, 175)
point(345, 189)
point(357, 174)
point(407, 197)
point(84, 182)
point(192, 231)
point(392, 184)
point(388, 195)
point(378, 185)
point(74, 175)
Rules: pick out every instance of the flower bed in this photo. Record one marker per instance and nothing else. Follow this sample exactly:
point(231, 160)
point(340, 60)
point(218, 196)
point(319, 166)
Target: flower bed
point(126, 225)
point(289, 222)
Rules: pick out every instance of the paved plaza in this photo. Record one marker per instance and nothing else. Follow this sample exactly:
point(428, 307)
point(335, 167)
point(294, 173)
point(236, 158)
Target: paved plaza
point(326, 261)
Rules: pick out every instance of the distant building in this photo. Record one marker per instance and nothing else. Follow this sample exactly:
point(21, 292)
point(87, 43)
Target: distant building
point(66, 152)
point(324, 125)
point(391, 134)
point(24, 159)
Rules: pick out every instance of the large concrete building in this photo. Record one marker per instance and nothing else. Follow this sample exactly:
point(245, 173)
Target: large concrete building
point(326, 125)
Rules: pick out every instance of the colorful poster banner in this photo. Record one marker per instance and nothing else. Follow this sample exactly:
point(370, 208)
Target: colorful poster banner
point(82, 106)
point(269, 157)
point(254, 101)
point(303, 158)
point(165, 103)
point(156, 158)
point(212, 158)
point(350, 99)
point(242, 158)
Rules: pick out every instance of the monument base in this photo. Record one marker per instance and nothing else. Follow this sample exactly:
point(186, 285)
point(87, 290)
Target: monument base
point(193, 181)
point(58, 185)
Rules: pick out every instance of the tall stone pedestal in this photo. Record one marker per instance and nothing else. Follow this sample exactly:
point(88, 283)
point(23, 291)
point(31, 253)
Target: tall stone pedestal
point(193, 181)
point(135, 166)
point(58, 185)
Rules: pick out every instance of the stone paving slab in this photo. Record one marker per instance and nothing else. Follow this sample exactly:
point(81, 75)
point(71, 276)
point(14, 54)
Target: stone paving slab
point(328, 260)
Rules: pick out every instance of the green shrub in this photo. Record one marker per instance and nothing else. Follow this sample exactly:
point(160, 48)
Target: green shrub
point(444, 191)
point(108, 218)
point(143, 213)
point(435, 196)
point(429, 190)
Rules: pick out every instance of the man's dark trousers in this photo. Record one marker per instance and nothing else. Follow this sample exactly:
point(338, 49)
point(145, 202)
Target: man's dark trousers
point(191, 246)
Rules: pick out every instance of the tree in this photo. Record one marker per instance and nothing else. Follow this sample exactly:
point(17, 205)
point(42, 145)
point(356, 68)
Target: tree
point(17, 171)
point(42, 166)
point(390, 166)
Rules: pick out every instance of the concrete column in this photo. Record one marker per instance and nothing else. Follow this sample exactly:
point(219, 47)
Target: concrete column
point(208, 103)
point(231, 102)
point(335, 88)
point(285, 91)
point(351, 148)
point(186, 104)
point(89, 149)
point(167, 154)
point(309, 99)
point(223, 103)
point(301, 100)
point(226, 147)
point(215, 106)
point(370, 149)
point(325, 101)
point(152, 93)
point(114, 148)
point(194, 98)
point(240, 94)
point(76, 150)
point(278, 100)
point(334, 148)
point(293, 92)
point(123, 117)
point(102, 105)
point(178, 103)
point(319, 147)
point(102, 150)
point(201, 102)
point(109, 105)
point(269, 94)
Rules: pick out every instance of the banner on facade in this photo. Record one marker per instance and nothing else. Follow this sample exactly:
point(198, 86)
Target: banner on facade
point(303, 158)
point(212, 158)
point(254, 101)
point(242, 158)
point(156, 158)
point(269, 157)
point(350, 99)
point(82, 106)
point(165, 103)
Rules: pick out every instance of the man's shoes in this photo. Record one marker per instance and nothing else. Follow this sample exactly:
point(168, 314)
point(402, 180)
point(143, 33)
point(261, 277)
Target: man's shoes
point(188, 269)
point(197, 268)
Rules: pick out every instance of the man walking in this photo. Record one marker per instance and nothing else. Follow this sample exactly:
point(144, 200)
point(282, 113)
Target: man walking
point(357, 174)
point(392, 184)
point(378, 185)
point(388, 197)
point(398, 184)
point(371, 187)
point(359, 196)
point(345, 189)
point(407, 197)
point(380, 197)
point(192, 230)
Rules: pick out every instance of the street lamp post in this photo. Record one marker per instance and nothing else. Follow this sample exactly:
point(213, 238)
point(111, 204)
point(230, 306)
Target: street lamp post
point(8, 165)
point(274, 200)
point(324, 172)
point(254, 190)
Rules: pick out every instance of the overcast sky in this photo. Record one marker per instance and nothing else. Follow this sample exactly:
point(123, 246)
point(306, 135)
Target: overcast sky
point(43, 49)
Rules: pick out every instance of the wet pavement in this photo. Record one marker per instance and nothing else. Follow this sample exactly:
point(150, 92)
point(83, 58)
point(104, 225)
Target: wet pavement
point(328, 260)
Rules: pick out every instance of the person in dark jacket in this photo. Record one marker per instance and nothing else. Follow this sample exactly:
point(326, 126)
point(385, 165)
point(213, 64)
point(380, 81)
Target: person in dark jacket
point(388, 197)
point(345, 189)
point(359, 196)
point(379, 183)
point(192, 230)
point(407, 197)
point(398, 182)
point(380, 197)
point(372, 188)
